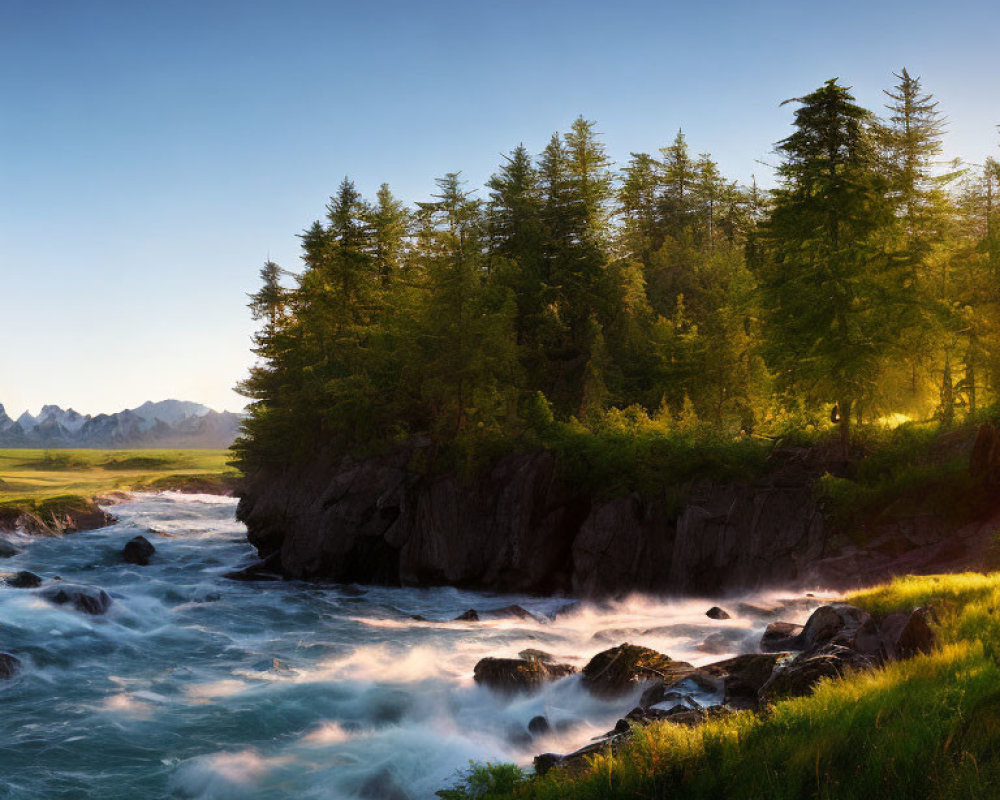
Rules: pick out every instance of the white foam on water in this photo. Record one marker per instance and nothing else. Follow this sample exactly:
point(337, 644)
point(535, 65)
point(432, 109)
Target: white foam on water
point(244, 690)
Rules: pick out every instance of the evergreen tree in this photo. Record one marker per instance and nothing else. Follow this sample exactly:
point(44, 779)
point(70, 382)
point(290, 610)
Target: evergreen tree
point(829, 288)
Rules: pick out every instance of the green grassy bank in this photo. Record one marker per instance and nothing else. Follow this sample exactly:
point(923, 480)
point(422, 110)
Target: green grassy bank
point(928, 727)
point(34, 480)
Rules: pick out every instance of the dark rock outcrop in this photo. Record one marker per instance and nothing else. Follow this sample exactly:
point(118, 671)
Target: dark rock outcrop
point(55, 517)
point(717, 613)
point(617, 671)
point(138, 551)
point(518, 527)
point(9, 666)
point(518, 674)
point(7, 550)
point(799, 676)
point(24, 580)
point(88, 599)
point(780, 636)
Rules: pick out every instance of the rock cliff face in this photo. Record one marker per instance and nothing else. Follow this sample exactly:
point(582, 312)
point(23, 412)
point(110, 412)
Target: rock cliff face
point(519, 528)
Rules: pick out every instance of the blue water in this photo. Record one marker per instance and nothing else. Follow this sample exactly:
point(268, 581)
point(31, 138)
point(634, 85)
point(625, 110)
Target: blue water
point(195, 686)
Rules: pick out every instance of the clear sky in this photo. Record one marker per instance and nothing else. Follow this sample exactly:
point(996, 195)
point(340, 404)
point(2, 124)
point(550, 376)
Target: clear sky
point(154, 154)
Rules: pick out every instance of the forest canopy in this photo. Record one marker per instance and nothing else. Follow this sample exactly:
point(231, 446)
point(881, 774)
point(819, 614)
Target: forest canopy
point(652, 295)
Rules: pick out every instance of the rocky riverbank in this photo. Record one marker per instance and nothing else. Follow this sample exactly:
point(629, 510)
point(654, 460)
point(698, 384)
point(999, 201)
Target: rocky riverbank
point(519, 526)
point(838, 639)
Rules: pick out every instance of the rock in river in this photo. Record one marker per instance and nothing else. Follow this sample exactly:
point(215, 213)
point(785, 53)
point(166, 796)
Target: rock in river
point(138, 551)
point(616, 671)
point(518, 674)
point(9, 666)
point(88, 599)
point(24, 580)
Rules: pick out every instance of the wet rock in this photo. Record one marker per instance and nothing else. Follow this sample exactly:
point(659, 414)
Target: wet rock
point(720, 642)
point(7, 550)
point(798, 677)
point(679, 714)
point(269, 569)
point(896, 636)
point(138, 551)
point(468, 616)
point(24, 580)
point(9, 666)
point(743, 676)
point(758, 609)
point(88, 599)
point(518, 674)
point(616, 671)
point(546, 761)
point(531, 654)
point(717, 613)
point(539, 726)
point(780, 637)
point(838, 623)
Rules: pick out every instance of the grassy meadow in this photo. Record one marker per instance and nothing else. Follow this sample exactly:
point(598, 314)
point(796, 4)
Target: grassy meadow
point(32, 477)
point(928, 727)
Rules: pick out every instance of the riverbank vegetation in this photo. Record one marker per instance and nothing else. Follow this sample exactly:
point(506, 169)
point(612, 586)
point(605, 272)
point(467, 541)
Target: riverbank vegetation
point(35, 479)
point(922, 728)
point(652, 313)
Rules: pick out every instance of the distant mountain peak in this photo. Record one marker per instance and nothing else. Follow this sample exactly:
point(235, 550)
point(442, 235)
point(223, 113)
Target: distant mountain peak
point(164, 423)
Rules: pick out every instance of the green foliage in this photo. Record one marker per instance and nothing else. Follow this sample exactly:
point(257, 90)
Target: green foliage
point(864, 280)
point(485, 781)
point(911, 469)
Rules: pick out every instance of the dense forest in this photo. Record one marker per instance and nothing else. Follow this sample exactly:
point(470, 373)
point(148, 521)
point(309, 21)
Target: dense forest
point(654, 296)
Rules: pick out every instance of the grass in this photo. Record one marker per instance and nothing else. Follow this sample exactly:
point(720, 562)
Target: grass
point(30, 477)
point(928, 727)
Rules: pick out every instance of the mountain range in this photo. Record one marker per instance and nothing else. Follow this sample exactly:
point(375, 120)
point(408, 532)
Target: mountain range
point(167, 423)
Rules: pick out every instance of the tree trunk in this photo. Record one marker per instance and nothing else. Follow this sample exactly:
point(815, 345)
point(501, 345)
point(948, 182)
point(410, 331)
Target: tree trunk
point(845, 429)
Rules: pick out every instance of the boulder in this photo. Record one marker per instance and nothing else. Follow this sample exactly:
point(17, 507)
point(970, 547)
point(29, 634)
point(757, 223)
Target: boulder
point(24, 580)
point(743, 676)
point(511, 675)
point(138, 551)
point(838, 623)
point(896, 636)
point(539, 726)
point(617, 671)
point(9, 666)
point(468, 616)
point(7, 550)
point(717, 613)
point(798, 677)
point(780, 637)
point(88, 599)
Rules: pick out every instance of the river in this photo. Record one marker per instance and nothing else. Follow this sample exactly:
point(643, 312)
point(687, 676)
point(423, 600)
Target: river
point(196, 686)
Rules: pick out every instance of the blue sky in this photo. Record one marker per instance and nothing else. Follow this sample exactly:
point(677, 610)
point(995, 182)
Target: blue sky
point(152, 155)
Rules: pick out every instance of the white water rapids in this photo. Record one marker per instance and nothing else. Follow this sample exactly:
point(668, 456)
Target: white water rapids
point(195, 686)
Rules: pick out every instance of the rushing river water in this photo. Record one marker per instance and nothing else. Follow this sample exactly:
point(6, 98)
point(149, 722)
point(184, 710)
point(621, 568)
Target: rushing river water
point(195, 686)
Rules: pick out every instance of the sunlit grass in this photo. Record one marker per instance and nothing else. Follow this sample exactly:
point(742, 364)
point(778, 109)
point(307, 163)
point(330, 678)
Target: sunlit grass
point(923, 728)
point(34, 475)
